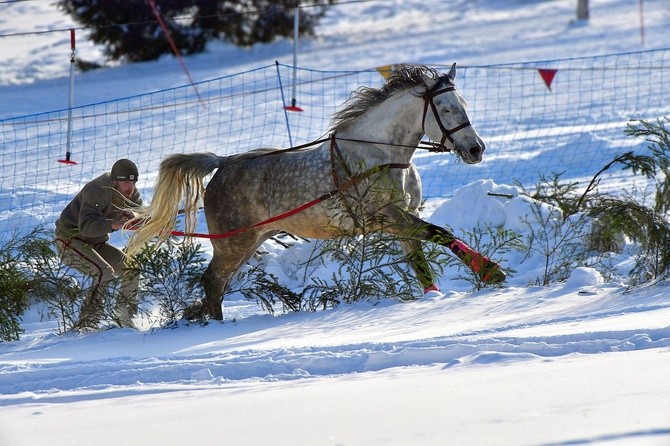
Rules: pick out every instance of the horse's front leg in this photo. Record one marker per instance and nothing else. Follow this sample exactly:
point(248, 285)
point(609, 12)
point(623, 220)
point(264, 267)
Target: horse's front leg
point(487, 270)
point(419, 264)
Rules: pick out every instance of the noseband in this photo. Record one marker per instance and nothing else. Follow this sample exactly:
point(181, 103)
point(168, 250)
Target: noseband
point(446, 133)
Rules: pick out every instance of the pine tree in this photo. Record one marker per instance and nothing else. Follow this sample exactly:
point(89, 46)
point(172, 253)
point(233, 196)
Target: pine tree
point(129, 30)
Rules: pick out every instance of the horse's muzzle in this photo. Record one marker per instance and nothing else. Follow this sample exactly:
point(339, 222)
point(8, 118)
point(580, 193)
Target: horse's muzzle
point(473, 155)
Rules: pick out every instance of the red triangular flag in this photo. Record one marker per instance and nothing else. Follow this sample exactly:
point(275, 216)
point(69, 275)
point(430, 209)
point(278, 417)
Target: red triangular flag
point(547, 76)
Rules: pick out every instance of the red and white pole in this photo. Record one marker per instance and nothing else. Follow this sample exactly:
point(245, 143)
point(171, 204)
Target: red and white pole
point(175, 50)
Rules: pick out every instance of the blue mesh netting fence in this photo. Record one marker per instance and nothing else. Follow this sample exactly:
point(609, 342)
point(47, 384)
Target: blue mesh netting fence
point(575, 126)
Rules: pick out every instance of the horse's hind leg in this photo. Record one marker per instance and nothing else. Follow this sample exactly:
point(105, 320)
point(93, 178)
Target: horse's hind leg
point(214, 281)
point(229, 255)
point(214, 284)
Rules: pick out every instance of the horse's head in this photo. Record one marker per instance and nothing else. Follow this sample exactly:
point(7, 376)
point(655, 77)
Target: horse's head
point(448, 120)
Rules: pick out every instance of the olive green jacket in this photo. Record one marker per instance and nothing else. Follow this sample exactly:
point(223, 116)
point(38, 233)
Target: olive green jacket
point(90, 214)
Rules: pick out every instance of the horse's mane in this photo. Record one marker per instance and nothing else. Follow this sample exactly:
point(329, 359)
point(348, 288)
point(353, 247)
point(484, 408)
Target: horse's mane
point(361, 100)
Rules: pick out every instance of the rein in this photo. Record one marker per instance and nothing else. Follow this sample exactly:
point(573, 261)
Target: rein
point(355, 179)
point(424, 145)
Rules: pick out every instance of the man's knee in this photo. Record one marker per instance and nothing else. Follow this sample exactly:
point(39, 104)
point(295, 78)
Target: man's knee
point(106, 273)
point(113, 256)
point(86, 260)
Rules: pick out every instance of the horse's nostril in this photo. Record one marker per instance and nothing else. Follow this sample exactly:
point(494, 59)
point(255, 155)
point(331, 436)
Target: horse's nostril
point(475, 150)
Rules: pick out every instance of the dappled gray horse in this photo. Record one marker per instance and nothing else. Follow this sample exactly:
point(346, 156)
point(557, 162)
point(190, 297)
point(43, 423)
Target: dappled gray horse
point(255, 195)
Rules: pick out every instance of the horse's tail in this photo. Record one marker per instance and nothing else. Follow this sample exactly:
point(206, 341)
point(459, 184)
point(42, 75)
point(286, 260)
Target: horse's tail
point(180, 176)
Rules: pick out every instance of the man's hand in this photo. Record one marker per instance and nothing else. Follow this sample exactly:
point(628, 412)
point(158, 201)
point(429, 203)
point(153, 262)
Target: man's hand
point(124, 216)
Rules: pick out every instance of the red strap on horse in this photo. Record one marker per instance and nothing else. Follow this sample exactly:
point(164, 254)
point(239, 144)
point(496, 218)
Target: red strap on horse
point(264, 222)
point(343, 187)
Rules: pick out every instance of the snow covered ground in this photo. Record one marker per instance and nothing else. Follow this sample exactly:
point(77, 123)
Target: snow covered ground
point(585, 361)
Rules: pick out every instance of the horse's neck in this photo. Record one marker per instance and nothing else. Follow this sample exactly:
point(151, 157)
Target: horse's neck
point(395, 125)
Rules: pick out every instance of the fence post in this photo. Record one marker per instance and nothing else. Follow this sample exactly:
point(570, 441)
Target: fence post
point(642, 22)
point(70, 104)
point(296, 26)
point(283, 100)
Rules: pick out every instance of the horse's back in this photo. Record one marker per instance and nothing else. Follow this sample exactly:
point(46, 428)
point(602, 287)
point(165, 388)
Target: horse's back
point(260, 184)
point(274, 173)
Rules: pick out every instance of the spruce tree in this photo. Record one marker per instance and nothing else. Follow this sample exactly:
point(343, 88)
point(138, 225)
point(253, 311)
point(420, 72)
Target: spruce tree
point(129, 30)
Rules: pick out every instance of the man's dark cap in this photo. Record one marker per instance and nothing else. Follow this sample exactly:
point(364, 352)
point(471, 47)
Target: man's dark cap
point(124, 170)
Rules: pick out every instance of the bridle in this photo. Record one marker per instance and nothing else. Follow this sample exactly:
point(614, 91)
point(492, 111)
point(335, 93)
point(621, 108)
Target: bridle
point(446, 133)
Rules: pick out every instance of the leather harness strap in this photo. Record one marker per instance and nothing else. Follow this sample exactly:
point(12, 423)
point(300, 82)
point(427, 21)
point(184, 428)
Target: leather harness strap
point(446, 133)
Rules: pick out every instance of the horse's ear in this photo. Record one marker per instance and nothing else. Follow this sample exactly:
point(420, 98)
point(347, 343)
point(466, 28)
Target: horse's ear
point(452, 72)
point(430, 78)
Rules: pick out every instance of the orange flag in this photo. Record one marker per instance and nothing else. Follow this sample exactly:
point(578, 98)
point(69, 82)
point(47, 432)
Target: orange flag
point(385, 71)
